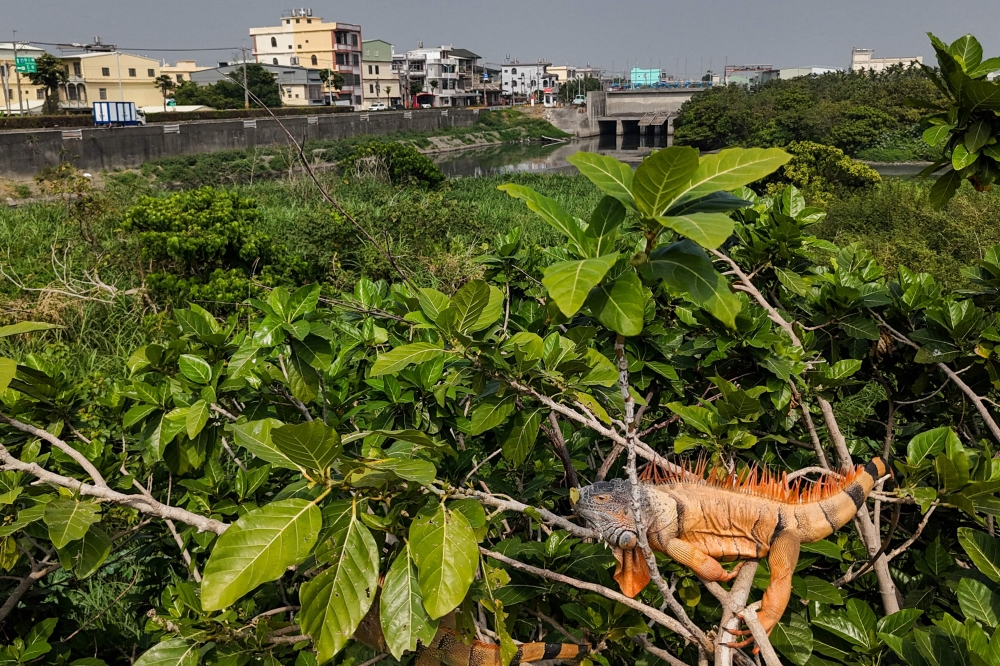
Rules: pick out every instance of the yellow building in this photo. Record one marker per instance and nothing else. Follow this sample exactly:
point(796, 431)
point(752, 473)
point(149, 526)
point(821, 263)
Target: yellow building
point(32, 97)
point(182, 71)
point(111, 76)
point(304, 40)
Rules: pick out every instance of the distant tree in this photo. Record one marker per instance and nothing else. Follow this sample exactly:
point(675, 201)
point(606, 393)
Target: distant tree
point(51, 73)
point(228, 94)
point(574, 87)
point(165, 85)
point(416, 87)
point(388, 94)
point(330, 79)
point(434, 84)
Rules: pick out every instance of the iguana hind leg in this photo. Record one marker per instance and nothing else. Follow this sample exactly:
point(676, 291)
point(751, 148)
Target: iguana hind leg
point(782, 559)
point(705, 566)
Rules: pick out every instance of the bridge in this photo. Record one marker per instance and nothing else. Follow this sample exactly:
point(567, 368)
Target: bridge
point(637, 111)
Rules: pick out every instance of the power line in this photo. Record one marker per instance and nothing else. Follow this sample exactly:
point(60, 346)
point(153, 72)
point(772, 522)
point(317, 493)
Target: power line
point(146, 48)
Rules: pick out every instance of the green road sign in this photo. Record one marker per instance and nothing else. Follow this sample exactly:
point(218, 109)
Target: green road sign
point(25, 65)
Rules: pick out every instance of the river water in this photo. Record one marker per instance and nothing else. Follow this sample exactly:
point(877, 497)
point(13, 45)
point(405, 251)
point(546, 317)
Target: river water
point(551, 157)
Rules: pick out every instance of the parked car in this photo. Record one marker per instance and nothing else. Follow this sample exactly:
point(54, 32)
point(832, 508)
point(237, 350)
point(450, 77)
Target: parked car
point(580, 100)
point(425, 105)
point(378, 106)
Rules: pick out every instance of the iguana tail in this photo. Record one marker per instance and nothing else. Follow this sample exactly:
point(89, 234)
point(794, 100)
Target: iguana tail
point(448, 650)
point(833, 512)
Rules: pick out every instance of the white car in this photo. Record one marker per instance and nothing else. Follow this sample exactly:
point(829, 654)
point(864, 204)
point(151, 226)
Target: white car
point(425, 106)
point(379, 106)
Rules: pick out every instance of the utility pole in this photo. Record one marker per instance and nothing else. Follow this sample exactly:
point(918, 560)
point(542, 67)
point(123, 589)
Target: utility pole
point(118, 63)
point(5, 71)
point(17, 74)
point(246, 89)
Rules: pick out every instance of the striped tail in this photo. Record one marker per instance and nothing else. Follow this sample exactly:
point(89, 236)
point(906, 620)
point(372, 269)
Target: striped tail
point(447, 650)
point(834, 512)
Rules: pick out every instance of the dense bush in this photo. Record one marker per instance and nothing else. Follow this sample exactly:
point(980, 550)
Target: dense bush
point(392, 162)
point(824, 173)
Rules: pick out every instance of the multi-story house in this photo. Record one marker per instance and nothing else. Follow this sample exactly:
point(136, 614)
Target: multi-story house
point(182, 71)
point(524, 80)
point(864, 59)
point(109, 76)
point(32, 97)
point(379, 80)
point(304, 40)
point(444, 75)
point(299, 86)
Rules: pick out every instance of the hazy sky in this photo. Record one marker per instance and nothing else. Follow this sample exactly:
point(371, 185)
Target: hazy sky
point(785, 33)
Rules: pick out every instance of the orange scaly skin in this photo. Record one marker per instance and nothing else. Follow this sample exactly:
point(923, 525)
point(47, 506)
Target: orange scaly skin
point(700, 520)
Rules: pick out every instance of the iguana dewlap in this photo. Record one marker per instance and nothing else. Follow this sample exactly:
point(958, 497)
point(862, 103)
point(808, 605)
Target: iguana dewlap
point(700, 519)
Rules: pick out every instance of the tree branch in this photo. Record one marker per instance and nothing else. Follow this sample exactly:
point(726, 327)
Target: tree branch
point(545, 514)
point(559, 444)
point(80, 459)
point(26, 583)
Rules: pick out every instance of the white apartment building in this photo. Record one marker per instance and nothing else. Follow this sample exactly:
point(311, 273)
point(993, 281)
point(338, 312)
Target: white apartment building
point(864, 59)
point(447, 76)
point(529, 79)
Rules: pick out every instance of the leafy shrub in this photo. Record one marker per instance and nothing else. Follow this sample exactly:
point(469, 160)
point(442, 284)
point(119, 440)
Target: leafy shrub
point(393, 162)
point(824, 172)
point(202, 246)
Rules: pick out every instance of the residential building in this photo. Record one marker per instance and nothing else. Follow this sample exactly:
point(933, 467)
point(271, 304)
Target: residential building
point(380, 82)
point(447, 76)
point(523, 80)
point(304, 40)
point(109, 75)
point(864, 59)
point(645, 77)
point(792, 72)
point(565, 73)
point(182, 71)
point(300, 86)
point(32, 97)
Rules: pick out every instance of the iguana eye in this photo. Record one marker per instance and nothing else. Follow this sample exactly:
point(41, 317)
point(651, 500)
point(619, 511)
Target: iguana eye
point(602, 498)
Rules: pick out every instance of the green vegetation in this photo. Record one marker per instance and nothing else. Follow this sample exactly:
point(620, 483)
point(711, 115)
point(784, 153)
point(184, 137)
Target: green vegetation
point(395, 163)
point(231, 94)
point(50, 72)
point(864, 114)
point(824, 173)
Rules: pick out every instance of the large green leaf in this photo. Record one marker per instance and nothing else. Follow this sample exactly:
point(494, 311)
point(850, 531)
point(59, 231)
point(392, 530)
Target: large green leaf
point(335, 601)
point(607, 217)
point(927, 445)
point(195, 368)
point(961, 157)
point(983, 549)
point(936, 134)
point(899, 623)
point(661, 176)
point(197, 417)
point(8, 368)
point(520, 436)
point(977, 135)
point(687, 270)
point(175, 652)
point(68, 520)
point(569, 282)
point(258, 548)
point(944, 188)
point(395, 360)
point(549, 210)
point(255, 437)
point(979, 602)
point(716, 202)
point(25, 327)
point(732, 168)
point(611, 176)
point(968, 51)
point(794, 640)
point(85, 556)
point(403, 617)
point(980, 95)
point(620, 305)
point(445, 552)
point(468, 304)
point(489, 413)
point(710, 230)
point(303, 380)
point(985, 67)
point(491, 313)
point(312, 445)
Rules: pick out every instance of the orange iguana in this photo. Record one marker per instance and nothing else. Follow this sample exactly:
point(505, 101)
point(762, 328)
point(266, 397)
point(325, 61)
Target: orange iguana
point(447, 649)
point(700, 519)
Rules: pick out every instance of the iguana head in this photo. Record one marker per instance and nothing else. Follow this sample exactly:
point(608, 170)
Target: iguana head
point(607, 507)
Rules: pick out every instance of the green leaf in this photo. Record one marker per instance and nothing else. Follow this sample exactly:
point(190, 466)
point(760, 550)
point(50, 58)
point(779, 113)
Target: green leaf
point(312, 445)
point(984, 68)
point(977, 135)
point(928, 445)
point(85, 556)
point(549, 210)
point(258, 548)
point(569, 282)
point(710, 230)
point(468, 304)
point(395, 360)
point(404, 620)
point(611, 176)
point(255, 437)
point(314, 351)
point(621, 305)
point(175, 652)
point(732, 168)
point(687, 270)
point(136, 414)
point(961, 157)
point(8, 368)
point(944, 189)
point(489, 413)
point(302, 302)
point(491, 313)
point(303, 380)
point(860, 327)
point(936, 134)
point(195, 368)
point(521, 435)
point(979, 602)
point(980, 95)
point(792, 281)
point(445, 552)
point(794, 640)
point(68, 520)
point(25, 327)
point(899, 623)
point(967, 51)
point(335, 601)
point(432, 302)
point(661, 176)
point(984, 551)
point(197, 417)
point(420, 471)
point(607, 217)
point(824, 548)
point(716, 202)
point(820, 590)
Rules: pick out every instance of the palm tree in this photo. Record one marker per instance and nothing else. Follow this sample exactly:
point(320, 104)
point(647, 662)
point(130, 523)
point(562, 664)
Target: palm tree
point(388, 94)
point(164, 84)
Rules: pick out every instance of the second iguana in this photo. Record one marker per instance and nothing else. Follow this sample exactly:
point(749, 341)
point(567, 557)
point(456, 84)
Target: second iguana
point(699, 519)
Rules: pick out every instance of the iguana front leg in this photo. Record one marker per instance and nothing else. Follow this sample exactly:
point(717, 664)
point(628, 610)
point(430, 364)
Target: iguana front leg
point(704, 565)
point(783, 557)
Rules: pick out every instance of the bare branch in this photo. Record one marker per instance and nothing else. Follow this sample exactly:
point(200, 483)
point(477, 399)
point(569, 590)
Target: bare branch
point(23, 587)
point(546, 515)
point(559, 444)
point(760, 636)
point(80, 459)
point(659, 653)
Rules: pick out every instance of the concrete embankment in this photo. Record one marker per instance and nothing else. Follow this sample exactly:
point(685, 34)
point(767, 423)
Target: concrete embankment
point(23, 154)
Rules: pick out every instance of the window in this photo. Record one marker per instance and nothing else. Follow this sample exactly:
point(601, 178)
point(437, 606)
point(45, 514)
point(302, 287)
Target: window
point(180, 78)
point(357, 99)
point(297, 20)
point(274, 61)
point(300, 46)
point(296, 95)
point(40, 93)
point(274, 43)
point(371, 88)
point(342, 59)
point(70, 93)
point(151, 73)
point(309, 20)
point(105, 71)
point(315, 60)
point(513, 71)
point(76, 69)
point(102, 93)
point(131, 71)
point(288, 21)
point(376, 70)
point(355, 59)
point(369, 69)
point(354, 39)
